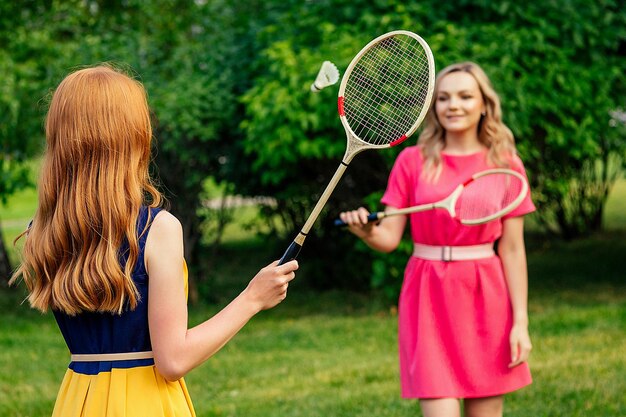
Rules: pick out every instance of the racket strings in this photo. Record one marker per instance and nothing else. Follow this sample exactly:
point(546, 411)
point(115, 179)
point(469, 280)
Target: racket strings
point(387, 90)
point(402, 117)
point(488, 196)
point(400, 121)
point(379, 130)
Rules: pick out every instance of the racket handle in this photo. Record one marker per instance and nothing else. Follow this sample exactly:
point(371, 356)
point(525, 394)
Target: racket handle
point(291, 253)
point(370, 218)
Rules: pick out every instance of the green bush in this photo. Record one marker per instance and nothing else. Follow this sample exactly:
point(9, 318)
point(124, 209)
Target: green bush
point(558, 66)
point(229, 84)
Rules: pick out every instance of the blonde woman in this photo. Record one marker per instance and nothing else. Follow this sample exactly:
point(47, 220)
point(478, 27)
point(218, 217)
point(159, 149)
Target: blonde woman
point(463, 320)
point(108, 262)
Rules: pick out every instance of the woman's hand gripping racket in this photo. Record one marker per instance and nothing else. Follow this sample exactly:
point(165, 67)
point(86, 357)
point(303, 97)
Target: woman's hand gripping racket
point(383, 97)
point(486, 196)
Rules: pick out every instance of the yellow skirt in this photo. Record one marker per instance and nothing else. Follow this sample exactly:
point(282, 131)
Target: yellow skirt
point(132, 392)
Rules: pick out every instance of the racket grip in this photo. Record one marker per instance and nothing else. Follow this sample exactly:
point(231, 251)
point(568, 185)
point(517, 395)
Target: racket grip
point(370, 218)
point(291, 253)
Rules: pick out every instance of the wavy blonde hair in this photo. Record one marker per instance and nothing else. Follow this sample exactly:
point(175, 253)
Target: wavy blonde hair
point(492, 132)
point(94, 179)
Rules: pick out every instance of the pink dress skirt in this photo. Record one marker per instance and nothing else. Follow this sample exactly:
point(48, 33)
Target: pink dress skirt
point(454, 317)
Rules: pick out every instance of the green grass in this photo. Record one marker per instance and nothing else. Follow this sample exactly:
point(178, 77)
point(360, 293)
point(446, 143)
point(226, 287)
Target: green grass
point(15, 216)
point(335, 353)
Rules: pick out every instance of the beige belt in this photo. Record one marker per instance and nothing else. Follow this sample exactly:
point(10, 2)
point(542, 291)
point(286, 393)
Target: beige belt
point(453, 253)
point(106, 357)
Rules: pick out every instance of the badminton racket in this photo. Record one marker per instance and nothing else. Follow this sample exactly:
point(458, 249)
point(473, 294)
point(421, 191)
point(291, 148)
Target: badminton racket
point(383, 97)
point(487, 196)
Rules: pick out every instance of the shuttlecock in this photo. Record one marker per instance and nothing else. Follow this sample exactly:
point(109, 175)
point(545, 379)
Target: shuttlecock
point(328, 75)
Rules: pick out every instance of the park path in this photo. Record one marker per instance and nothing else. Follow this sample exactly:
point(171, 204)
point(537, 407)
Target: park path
point(231, 201)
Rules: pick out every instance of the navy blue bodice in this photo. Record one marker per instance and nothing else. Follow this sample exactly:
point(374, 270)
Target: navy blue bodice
point(97, 333)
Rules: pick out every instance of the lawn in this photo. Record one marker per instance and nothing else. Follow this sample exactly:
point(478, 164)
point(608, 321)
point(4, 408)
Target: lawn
point(334, 353)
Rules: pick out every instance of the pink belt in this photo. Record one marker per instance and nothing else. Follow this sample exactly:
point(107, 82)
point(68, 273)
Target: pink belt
point(453, 253)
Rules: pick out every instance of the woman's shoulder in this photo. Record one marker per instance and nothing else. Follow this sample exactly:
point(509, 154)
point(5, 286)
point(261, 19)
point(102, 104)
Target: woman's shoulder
point(165, 223)
point(515, 162)
point(165, 237)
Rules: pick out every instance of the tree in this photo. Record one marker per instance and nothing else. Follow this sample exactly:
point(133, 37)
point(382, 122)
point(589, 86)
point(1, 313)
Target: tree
point(180, 50)
point(228, 82)
point(27, 56)
point(559, 76)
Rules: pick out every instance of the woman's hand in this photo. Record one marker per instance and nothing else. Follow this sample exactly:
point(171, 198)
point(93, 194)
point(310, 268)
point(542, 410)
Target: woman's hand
point(383, 236)
point(269, 286)
point(357, 222)
point(520, 344)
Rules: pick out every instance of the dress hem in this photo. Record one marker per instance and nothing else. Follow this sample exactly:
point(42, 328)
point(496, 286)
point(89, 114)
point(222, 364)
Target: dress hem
point(466, 395)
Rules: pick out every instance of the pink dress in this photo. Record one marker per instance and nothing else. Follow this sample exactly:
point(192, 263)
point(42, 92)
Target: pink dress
point(454, 317)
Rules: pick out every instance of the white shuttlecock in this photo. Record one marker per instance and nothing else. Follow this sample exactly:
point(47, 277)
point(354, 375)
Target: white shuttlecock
point(328, 75)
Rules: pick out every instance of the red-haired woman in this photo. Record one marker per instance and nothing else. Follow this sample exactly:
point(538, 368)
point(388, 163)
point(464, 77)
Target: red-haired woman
point(108, 261)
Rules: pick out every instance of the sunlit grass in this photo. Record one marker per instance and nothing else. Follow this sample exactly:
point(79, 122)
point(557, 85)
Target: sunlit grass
point(15, 216)
point(334, 354)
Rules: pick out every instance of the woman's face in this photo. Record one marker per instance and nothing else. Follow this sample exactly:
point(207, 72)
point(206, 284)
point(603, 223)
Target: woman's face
point(459, 102)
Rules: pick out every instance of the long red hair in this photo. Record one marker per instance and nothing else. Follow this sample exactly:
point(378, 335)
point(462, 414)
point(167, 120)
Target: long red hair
point(94, 179)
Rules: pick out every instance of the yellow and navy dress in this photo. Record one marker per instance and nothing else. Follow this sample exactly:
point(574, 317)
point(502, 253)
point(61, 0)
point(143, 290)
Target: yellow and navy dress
point(118, 388)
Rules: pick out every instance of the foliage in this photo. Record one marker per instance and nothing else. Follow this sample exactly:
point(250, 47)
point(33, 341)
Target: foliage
point(182, 52)
point(229, 86)
point(294, 139)
point(27, 56)
point(561, 79)
point(581, 209)
point(558, 66)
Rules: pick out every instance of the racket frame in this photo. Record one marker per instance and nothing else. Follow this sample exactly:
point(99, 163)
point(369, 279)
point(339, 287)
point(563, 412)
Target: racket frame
point(449, 202)
point(355, 145)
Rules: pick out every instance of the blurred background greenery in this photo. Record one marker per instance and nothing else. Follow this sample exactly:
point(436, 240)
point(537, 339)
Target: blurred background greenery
point(228, 84)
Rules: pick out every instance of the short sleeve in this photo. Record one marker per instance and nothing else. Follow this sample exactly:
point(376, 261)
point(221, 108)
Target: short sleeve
point(401, 179)
point(527, 206)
